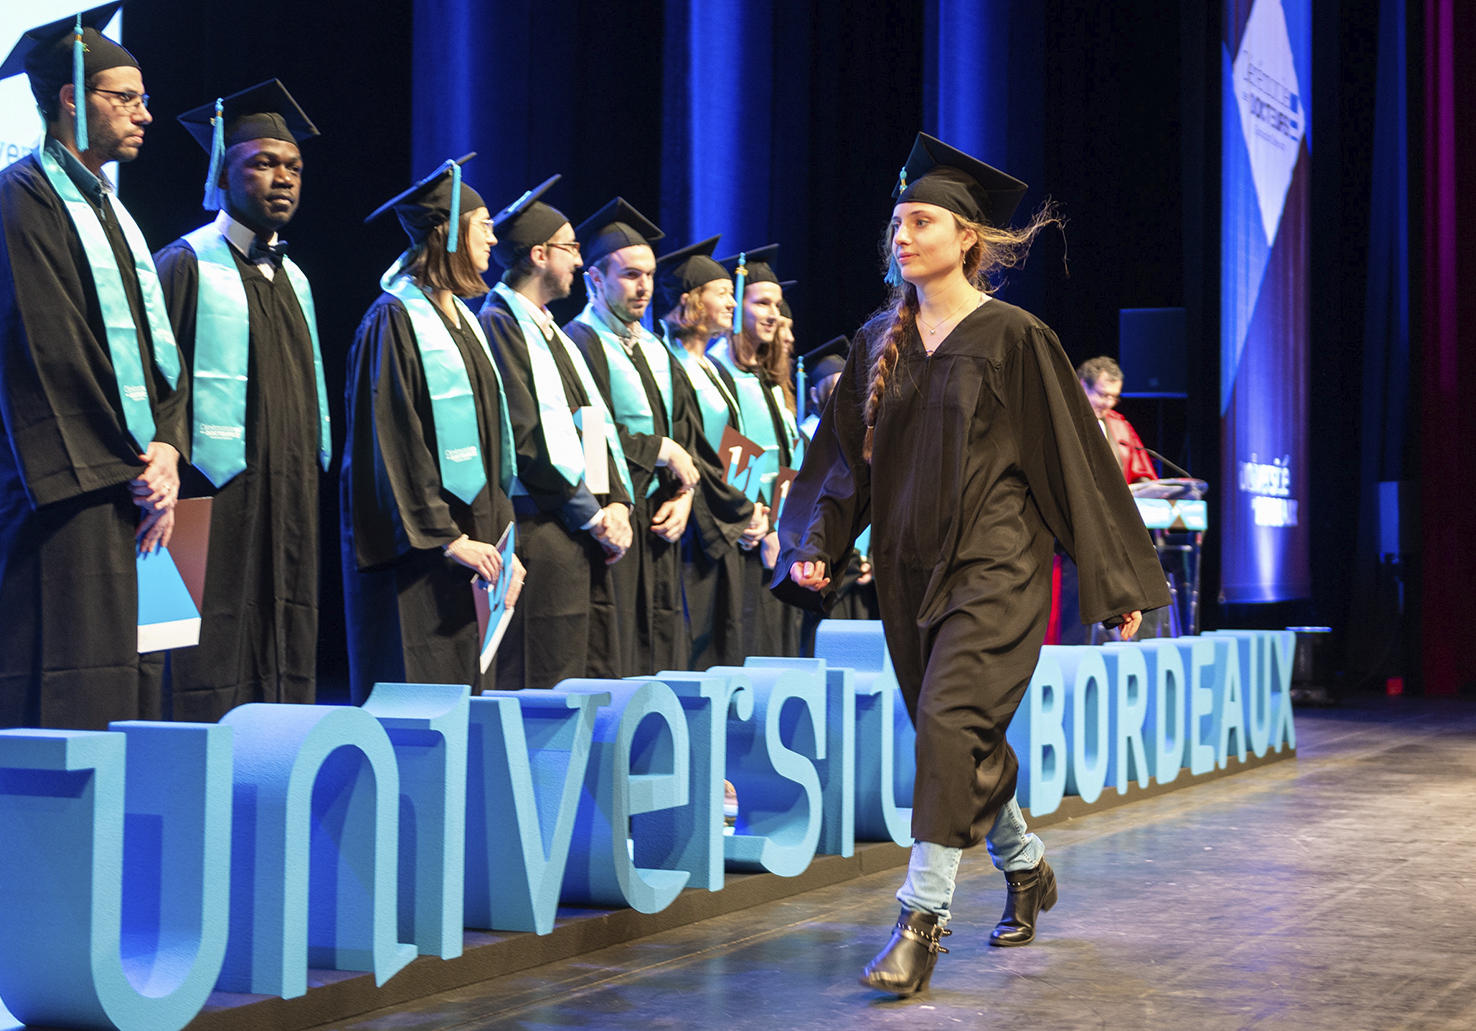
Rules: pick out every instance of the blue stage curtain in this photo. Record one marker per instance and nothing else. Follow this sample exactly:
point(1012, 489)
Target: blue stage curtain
point(718, 114)
point(984, 92)
point(523, 85)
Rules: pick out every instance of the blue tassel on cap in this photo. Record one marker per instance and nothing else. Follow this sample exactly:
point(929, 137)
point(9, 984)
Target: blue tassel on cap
point(213, 200)
point(454, 233)
point(79, 85)
point(740, 283)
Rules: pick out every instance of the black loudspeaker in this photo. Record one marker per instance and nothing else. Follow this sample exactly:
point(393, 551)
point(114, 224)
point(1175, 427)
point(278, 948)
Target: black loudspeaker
point(1151, 350)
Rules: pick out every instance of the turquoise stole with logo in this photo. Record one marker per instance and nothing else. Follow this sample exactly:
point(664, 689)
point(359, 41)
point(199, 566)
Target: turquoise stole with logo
point(712, 396)
point(453, 406)
point(757, 422)
point(222, 352)
point(122, 334)
point(561, 430)
point(627, 392)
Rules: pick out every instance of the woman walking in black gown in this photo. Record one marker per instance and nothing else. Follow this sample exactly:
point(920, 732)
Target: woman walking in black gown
point(958, 431)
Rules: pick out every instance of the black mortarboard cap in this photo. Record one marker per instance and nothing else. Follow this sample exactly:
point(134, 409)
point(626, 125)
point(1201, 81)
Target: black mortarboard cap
point(265, 111)
point(828, 359)
point(45, 53)
point(685, 270)
point(786, 285)
point(936, 173)
point(760, 264)
point(614, 226)
point(427, 204)
point(526, 223)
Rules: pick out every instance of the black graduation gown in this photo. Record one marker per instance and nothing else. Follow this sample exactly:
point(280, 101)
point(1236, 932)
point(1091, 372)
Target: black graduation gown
point(411, 612)
point(770, 627)
point(648, 580)
point(69, 638)
point(983, 452)
point(565, 624)
point(712, 562)
point(259, 624)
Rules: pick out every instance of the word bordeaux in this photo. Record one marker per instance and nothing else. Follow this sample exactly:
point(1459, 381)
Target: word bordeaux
point(151, 864)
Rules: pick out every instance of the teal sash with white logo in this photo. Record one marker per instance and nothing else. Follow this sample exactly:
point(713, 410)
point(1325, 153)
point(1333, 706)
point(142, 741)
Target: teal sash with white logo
point(758, 423)
point(712, 395)
point(222, 351)
point(632, 406)
point(560, 429)
point(123, 335)
point(453, 406)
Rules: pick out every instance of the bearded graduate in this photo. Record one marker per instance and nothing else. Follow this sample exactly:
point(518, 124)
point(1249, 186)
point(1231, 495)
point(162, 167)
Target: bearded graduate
point(259, 436)
point(572, 491)
point(959, 432)
point(750, 353)
point(635, 373)
point(697, 295)
point(428, 462)
point(92, 396)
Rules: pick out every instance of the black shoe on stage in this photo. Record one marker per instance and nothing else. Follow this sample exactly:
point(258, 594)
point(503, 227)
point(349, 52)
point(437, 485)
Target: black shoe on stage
point(905, 966)
point(1031, 891)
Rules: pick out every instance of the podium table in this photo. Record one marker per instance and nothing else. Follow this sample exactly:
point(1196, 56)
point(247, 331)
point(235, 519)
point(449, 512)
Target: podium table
point(1177, 516)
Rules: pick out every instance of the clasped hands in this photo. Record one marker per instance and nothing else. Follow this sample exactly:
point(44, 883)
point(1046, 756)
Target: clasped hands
point(155, 490)
point(612, 529)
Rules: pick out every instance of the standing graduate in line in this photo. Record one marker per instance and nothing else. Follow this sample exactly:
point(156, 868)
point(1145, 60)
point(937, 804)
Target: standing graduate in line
point(428, 460)
point(572, 493)
point(959, 431)
point(92, 396)
point(652, 408)
point(855, 596)
point(770, 627)
point(697, 295)
point(243, 316)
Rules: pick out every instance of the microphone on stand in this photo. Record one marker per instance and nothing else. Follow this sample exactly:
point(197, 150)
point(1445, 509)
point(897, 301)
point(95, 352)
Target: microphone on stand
point(1165, 461)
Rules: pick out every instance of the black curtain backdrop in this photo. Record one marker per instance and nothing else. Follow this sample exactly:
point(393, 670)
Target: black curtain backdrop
point(789, 121)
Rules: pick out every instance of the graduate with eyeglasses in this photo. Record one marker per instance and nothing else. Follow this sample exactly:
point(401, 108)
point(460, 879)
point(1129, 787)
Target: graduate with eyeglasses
point(92, 394)
point(572, 492)
point(243, 315)
point(428, 459)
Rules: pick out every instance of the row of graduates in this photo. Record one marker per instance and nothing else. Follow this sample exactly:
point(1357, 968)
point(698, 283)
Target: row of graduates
point(654, 561)
point(132, 380)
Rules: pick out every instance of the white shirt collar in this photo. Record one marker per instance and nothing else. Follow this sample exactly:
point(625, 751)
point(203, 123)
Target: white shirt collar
point(240, 237)
point(540, 315)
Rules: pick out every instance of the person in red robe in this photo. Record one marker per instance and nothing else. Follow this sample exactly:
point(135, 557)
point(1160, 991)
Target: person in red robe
point(1101, 378)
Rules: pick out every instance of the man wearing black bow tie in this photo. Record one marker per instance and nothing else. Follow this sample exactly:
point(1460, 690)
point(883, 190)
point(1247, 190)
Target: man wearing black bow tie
point(243, 315)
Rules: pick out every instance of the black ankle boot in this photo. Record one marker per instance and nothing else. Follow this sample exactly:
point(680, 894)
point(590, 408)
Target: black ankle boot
point(1031, 891)
point(906, 965)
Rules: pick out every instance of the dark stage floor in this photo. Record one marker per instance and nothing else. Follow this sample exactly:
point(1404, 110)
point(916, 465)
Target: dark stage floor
point(1334, 891)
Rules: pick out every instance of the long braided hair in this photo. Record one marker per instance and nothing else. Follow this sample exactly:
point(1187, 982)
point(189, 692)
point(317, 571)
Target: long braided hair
point(994, 251)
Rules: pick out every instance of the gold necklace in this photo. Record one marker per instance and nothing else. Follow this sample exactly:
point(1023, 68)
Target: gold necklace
point(932, 330)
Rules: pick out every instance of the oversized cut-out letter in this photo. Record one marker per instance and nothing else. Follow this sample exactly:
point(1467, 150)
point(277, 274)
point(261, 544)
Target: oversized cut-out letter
point(1087, 725)
point(314, 850)
point(1039, 740)
point(117, 852)
point(884, 739)
point(637, 765)
point(426, 724)
point(526, 755)
point(1128, 674)
point(770, 762)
